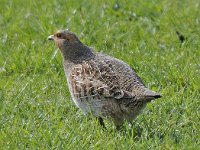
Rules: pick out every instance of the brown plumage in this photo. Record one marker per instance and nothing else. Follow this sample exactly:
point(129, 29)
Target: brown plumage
point(101, 84)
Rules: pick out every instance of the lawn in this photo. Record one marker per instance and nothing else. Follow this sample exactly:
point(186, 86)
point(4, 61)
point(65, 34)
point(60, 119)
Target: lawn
point(36, 111)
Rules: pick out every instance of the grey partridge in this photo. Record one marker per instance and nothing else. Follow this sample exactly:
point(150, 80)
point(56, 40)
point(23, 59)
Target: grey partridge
point(100, 84)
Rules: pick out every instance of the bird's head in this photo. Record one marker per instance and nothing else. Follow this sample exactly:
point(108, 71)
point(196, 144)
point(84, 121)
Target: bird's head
point(64, 39)
point(71, 47)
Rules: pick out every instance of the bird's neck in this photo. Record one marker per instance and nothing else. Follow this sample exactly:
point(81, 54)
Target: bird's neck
point(77, 54)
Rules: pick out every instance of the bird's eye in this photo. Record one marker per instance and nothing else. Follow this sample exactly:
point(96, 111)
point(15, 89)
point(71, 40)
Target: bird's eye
point(58, 35)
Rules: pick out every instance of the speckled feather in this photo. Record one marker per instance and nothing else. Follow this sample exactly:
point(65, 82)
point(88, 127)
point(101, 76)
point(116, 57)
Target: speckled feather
point(101, 84)
point(107, 88)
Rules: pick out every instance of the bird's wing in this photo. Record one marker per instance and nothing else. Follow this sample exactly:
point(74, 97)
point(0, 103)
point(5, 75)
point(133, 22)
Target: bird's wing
point(96, 78)
point(129, 80)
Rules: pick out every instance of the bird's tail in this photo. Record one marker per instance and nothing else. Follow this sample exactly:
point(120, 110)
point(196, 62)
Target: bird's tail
point(151, 95)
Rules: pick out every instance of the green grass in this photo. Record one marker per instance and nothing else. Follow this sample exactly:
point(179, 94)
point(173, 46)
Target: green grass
point(36, 111)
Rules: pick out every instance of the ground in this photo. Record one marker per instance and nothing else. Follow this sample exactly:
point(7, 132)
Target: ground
point(36, 111)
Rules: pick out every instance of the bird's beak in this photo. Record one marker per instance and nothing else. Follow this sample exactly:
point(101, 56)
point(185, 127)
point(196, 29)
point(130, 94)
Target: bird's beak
point(51, 37)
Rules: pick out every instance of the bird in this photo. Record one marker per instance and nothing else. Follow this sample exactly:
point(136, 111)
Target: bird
point(100, 84)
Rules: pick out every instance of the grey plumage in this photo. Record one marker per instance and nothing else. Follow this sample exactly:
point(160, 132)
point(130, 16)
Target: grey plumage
point(101, 84)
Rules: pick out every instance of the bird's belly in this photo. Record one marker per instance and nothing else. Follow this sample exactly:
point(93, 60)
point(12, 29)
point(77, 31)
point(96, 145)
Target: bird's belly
point(90, 104)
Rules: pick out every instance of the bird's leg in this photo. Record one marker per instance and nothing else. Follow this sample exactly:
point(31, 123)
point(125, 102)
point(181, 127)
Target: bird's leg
point(101, 122)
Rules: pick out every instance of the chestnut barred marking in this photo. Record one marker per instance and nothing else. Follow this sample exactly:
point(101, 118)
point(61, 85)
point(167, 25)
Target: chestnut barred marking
point(100, 84)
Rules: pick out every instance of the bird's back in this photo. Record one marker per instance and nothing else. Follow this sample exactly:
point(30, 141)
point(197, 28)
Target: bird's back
point(128, 79)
